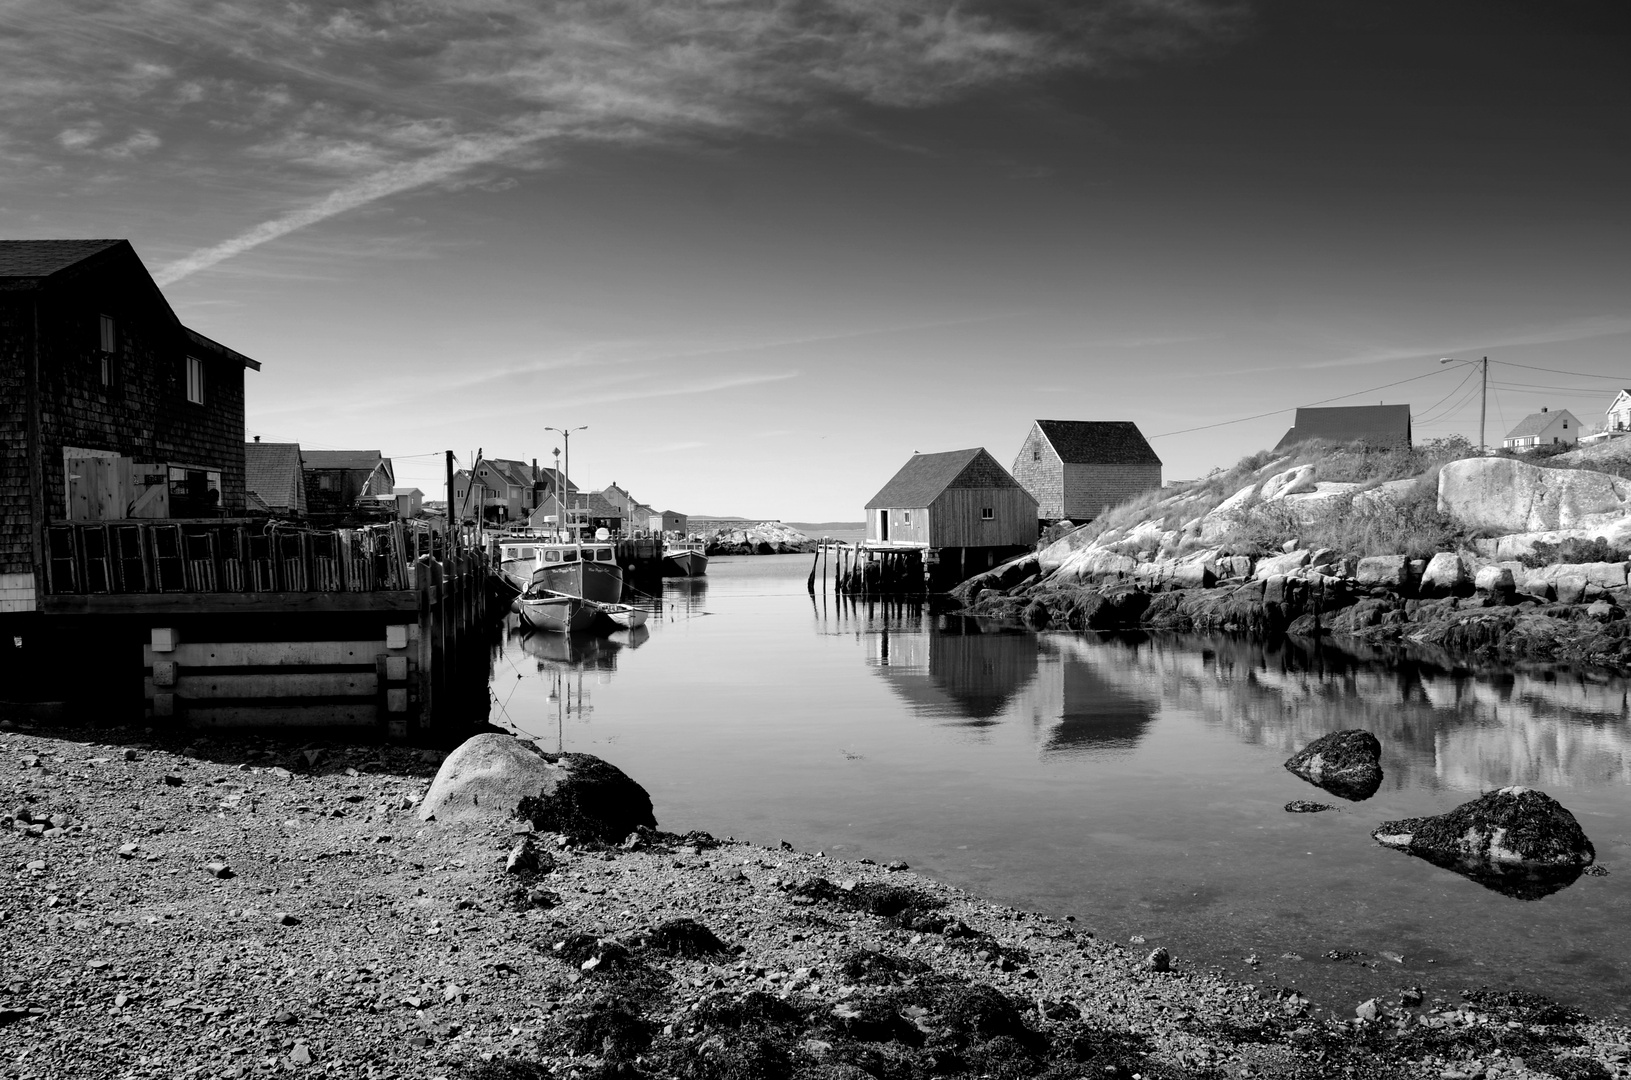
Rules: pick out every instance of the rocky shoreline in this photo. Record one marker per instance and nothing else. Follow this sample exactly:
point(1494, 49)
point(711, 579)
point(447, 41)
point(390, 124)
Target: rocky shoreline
point(1569, 615)
point(247, 906)
point(764, 538)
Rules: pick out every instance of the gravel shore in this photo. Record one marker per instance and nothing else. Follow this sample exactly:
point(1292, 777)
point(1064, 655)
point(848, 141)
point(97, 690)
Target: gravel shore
point(243, 906)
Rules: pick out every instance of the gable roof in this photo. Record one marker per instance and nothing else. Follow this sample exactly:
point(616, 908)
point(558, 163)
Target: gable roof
point(1376, 425)
point(27, 264)
point(597, 507)
point(921, 480)
point(39, 259)
point(1535, 423)
point(1617, 397)
point(1098, 442)
point(364, 460)
point(272, 472)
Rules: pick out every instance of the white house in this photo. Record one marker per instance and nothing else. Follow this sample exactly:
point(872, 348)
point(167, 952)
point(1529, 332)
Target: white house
point(1619, 413)
point(1545, 428)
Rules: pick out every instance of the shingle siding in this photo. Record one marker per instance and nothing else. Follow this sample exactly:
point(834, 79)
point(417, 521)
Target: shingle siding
point(1038, 471)
point(145, 414)
point(1091, 489)
point(16, 515)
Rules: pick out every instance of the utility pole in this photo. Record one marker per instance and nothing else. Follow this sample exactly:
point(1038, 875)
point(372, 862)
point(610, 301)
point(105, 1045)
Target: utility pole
point(1483, 395)
point(1483, 408)
point(566, 439)
point(451, 526)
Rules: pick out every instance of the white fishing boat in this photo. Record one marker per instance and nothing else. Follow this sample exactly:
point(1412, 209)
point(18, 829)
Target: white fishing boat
point(556, 613)
point(685, 558)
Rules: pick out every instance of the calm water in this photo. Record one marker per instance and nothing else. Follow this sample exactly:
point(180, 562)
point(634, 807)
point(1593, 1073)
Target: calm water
point(1137, 786)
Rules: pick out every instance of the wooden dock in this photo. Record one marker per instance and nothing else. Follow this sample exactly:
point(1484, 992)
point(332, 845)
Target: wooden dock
point(874, 568)
point(197, 624)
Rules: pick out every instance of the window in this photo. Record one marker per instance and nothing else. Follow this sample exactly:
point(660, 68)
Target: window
point(1036, 454)
point(194, 492)
point(552, 556)
point(325, 482)
point(109, 347)
point(987, 514)
point(195, 380)
point(529, 553)
point(905, 517)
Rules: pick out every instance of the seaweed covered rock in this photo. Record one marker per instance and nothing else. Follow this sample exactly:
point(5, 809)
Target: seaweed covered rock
point(1348, 764)
point(594, 800)
point(1516, 841)
point(503, 777)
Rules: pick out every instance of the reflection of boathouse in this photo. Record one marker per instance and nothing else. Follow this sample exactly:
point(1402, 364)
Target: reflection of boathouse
point(959, 674)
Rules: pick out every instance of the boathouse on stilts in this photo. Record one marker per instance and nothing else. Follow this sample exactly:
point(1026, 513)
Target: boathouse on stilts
point(940, 519)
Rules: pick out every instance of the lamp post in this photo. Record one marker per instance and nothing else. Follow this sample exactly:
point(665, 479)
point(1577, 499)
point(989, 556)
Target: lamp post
point(1483, 396)
point(566, 440)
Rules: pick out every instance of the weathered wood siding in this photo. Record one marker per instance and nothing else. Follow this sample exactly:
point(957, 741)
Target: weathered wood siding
point(1091, 489)
point(907, 525)
point(956, 518)
point(1040, 472)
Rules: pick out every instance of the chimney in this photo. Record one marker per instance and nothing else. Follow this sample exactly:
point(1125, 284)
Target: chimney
point(1543, 408)
point(257, 438)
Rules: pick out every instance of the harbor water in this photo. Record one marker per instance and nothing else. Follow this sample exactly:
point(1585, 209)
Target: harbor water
point(1136, 785)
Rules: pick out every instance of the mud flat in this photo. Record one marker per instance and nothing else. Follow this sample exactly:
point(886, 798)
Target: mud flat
point(248, 907)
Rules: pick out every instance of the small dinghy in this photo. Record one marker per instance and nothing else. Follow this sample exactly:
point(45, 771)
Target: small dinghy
point(624, 616)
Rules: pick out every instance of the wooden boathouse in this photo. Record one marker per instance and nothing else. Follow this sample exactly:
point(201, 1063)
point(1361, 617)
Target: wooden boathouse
point(940, 518)
point(132, 581)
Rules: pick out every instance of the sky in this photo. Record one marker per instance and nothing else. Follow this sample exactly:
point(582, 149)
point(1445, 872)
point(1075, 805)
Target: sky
point(764, 251)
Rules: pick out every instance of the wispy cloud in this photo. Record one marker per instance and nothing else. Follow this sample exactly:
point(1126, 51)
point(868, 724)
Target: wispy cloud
point(1581, 329)
point(306, 112)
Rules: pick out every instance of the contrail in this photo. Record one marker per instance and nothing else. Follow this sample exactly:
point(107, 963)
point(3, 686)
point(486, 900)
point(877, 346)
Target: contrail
point(438, 166)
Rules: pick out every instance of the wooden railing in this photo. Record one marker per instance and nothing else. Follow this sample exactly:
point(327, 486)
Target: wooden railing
point(212, 556)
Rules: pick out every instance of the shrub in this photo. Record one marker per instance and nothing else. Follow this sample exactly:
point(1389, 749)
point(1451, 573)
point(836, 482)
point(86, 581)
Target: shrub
point(1574, 550)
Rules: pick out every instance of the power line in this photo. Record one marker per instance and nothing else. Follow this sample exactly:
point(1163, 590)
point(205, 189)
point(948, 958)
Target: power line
point(1428, 411)
point(1309, 405)
point(1453, 409)
point(1544, 386)
point(1560, 371)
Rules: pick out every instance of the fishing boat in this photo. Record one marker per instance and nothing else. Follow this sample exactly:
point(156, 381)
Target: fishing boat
point(514, 560)
point(685, 558)
point(556, 613)
point(587, 569)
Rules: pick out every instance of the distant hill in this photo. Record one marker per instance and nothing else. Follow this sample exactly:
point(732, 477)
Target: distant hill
point(827, 528)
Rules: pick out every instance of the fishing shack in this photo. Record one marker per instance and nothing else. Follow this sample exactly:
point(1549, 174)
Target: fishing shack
point(133, 579)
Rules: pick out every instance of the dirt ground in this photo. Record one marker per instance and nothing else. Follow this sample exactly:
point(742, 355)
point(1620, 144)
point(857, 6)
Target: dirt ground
point(178, 907)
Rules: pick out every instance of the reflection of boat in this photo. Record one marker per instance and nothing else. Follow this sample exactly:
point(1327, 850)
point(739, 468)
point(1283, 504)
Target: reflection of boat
point(555, 612)
point(685, 558)
point(634, 638)
point(575, 651)
point(586, 570)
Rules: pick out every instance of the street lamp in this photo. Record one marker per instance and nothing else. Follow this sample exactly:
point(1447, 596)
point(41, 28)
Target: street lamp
point(566, 438)
point(1483, 397)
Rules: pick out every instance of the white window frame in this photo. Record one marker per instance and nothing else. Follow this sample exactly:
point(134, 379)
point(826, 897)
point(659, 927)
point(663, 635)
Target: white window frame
point(988, 513)
point(195, 380)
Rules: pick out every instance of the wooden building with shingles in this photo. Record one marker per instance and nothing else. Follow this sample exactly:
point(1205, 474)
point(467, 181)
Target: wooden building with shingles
point(110, 408)
point(961, 508)
point(275, 480)
point(1077, 469)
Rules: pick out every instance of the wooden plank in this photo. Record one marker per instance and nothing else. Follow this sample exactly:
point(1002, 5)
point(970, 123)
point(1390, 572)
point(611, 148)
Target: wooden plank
point(269, 653)
point(282, 685)
point(268, 603)
point(363, 714)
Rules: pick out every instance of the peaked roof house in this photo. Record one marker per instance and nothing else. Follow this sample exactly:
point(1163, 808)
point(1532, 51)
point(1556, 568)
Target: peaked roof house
point(110, 408)
point(958, 499)
point(1619, 413)
point(274, 478)
point(1379, 427)
point(1544, 428)
point(1077, 469)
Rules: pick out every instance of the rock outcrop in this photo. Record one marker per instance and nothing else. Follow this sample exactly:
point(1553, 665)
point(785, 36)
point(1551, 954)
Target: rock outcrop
point(1348, 764)
point(501, 777)
point(1511, 496)
point(764, 538)
point(1516, 840)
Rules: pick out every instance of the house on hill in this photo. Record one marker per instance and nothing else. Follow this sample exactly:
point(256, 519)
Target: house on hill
point(1619, 414)
point(337, 479)
point(1544, 428)
point(274, 478)
point(1077, 469)
point(961, 505)
point(506, 489)
point(110, 408)
point(1379, 427)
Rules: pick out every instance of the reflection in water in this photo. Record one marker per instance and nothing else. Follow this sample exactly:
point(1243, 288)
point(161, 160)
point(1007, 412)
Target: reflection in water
point(684, 596)
point(1521, 881)
point(1441, 728)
